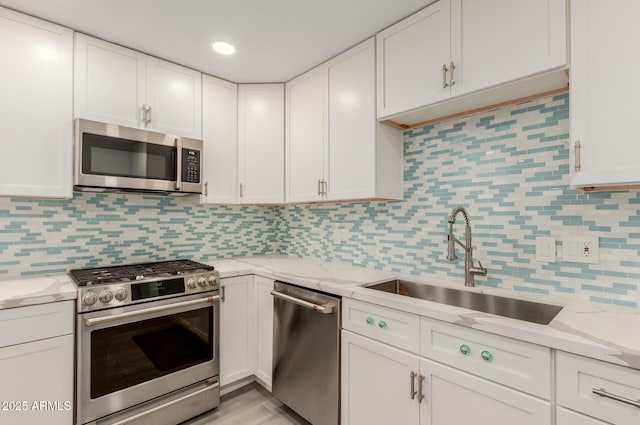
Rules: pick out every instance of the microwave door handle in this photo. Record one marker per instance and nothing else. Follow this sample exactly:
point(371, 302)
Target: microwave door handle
point(179, 164)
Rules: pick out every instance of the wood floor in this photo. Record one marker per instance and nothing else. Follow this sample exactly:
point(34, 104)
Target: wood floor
point(249, 405)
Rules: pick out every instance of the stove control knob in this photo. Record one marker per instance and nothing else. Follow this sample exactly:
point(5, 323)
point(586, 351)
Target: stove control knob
point(191, 284)
point(89, 298)
point(212, 280)
point(202, 282)
point(121, 294)
point(105, 296)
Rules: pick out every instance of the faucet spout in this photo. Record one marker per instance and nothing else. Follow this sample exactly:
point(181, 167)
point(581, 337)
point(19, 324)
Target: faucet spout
point(470, 269)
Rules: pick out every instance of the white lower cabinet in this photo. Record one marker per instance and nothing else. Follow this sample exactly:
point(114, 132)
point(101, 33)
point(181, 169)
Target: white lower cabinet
point(246, 329)
point(602, 390)
point(390, 374)
point(237, 328)
point(36, 358)
point(567, 417)
point(264, 346)
point(376, 383)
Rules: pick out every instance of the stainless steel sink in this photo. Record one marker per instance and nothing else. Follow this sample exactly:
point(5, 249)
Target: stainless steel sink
point(528, 311)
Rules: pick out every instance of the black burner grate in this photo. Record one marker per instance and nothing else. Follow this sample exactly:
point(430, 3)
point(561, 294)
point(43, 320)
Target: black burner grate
point(133, 272)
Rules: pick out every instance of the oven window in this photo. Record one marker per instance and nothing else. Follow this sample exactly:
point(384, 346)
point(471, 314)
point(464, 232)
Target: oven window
point(110, 156)
point(133, 353)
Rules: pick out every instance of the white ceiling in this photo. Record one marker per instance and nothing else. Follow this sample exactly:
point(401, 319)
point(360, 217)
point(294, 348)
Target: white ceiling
point(275, 39)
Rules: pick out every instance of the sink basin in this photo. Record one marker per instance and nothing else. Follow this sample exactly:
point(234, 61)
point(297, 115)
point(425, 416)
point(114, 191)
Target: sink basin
point(528, 311)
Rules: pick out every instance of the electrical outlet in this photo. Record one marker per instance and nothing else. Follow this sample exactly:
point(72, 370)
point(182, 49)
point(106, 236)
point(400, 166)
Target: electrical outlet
point(581, 249)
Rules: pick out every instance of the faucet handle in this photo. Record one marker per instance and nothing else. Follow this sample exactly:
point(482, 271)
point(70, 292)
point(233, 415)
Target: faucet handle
point(478, 270)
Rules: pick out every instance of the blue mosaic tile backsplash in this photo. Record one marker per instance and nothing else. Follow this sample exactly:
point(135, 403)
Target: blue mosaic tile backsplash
point(510, 169)
point(48, 236)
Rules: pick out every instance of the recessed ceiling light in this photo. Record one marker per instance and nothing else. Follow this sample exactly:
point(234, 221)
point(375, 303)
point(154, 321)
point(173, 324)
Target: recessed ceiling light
point(223, 48)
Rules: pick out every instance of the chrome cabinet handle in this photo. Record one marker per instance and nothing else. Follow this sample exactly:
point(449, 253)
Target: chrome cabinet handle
point(445, 84)
point(324, 187)
point(370, 321)
point(319, 189)
point(144, 115)
point(420, 392)
point(464, 349)
point(241, 190)
point(576, 149)
point(222, 293)
point(324, 309)
point(603, 393)
point(149, 116)
point(206, 189)
point(486, 356)
point(452, 68)
point(116, 317)
point(382, 324)
point(413, 385)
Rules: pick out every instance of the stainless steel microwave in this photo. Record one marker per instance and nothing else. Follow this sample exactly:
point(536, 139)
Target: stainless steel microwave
point(110, 157)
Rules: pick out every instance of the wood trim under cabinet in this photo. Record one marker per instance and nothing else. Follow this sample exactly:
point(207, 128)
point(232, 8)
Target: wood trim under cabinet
point(476, 110)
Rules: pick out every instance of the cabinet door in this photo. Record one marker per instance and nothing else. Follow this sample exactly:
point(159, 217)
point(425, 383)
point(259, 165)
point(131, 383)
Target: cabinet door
point(351, 168)
point(410, 57)
point(305, 136)
point(34, 372)
point(376, 383)
point(264, 302)
point(261, 143)
point(237, 328)
point(567, 417)
point(497, 41)
point(220, 136)
point(36, 107)
point(453, 397)
point(604, 90)
point(109, 82)
point(174, 94)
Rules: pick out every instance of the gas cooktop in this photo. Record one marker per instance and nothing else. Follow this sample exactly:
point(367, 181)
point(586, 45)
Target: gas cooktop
point(136, 272)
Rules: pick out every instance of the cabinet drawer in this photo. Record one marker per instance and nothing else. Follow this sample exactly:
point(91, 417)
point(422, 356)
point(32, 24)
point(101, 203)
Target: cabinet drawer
point(387, 325)
point(567, 417)
point(24, 324)
point(578, 377)
point(516, 364)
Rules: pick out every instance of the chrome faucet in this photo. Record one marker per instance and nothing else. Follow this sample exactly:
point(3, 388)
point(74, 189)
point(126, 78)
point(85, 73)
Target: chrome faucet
point(470, 270)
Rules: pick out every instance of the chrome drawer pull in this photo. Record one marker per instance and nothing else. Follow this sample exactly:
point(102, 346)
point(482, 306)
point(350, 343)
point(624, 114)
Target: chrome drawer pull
point(465, 350)
point(603, 393)
point(421, 396)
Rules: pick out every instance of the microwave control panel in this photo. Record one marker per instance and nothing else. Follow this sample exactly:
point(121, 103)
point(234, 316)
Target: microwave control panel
point(190, 166)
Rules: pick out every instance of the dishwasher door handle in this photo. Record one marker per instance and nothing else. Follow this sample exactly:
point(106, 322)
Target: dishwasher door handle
point(324, 309)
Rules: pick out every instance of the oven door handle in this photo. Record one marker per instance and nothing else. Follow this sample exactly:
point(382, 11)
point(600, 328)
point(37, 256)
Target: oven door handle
point(106, 319)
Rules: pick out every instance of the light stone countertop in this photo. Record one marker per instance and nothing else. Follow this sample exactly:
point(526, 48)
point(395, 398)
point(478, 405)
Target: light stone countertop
point(580, 328)
point(36, 290)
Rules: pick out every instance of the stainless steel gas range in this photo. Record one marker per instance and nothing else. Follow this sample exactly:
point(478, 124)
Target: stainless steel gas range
point(147, 343)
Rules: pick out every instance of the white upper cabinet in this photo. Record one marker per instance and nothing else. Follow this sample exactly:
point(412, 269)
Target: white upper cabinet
point(174, 98)
point(306, 122)
point(459, 55)
point(220, 137)
point(36, 107)
point(411, 55)
point(122, 86)
point(336, 150)
point(604, 90)
point(261, 143)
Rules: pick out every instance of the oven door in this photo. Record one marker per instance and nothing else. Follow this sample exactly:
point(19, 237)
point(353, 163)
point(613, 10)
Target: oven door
point(132, 354)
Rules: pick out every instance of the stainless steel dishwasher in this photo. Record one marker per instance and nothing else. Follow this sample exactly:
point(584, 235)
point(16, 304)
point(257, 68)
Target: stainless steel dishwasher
point(306, 352)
